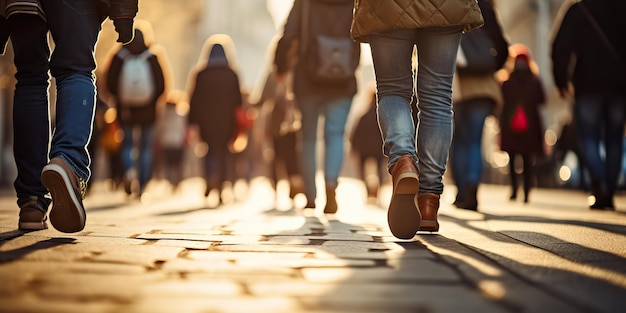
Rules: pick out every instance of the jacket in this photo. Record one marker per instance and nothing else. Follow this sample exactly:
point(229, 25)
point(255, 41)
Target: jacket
point(378, 16)
point(522, 88)
point(114, 9)
point(215, 96)
point(470, 86)
point(145, 115)
point(596, 71)
point(289, 44)
point(121, 8)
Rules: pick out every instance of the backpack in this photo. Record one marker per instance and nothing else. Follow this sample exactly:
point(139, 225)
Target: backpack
point(330, 55)
point(519, 120)
point(136, 84)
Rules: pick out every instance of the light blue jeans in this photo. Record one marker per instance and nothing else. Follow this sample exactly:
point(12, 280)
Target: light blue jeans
point(335, 112)
point(436, 53)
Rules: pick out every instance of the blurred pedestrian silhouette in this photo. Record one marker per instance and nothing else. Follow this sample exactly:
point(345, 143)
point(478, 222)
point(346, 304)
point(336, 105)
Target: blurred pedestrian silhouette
point(215, 98)
point(110, 140)
point(50, 146)
point(568, 142)
point(521, 127)
point(393, 32)
point(366, 143)
point(137, 80)
point(476, 96)
point(591, 34)
point(324, 83)
point(171, 135)
point(282, 126)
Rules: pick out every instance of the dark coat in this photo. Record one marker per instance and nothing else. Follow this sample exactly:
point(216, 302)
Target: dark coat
point(293, 33)
point(366, 139)
point(596, 71)
point(523, 87)
point(214, 99)
point(137, 115)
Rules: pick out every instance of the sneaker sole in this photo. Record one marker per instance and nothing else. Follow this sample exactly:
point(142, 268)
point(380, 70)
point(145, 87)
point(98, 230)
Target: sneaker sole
point(67, 214)
point(32, 225)
point(403, 215)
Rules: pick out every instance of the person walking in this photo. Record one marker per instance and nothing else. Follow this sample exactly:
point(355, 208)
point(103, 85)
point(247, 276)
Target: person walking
point(136, 79)
point(324, 84)
point(476, 96)
point(215, 97)
point(366, 145)
point(57, 162)
point(171, 137)
point(521, 127)
point(591, 35)
point(392, 32)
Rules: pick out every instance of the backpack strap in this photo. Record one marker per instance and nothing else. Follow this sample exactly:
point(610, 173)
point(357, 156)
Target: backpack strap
point(602, 35)
point(304, 29)
point(125, 53)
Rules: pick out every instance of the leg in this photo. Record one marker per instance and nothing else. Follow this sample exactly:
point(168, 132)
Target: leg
point(145, 156)
point(31, 127)
point(336, 114)
point(394, 81)
point(528, 174)
point(310, 113)
point(513, 176)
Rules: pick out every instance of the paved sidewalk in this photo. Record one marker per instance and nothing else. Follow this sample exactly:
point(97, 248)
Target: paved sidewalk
point(180, 253)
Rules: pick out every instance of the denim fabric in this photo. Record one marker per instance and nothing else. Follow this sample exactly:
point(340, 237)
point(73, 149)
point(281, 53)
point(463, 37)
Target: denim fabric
point(600, 121)
point(335, 112)
point(219, 165)
point(143, 159)
point(466, 159)
point(392, 55)
point(75, 33)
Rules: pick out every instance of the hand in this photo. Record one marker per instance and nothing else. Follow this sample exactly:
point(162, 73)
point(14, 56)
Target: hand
point(124, 29)
point(565, 93)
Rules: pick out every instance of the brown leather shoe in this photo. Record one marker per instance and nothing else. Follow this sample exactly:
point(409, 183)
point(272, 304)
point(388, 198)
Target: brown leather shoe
point(403, 216)
point(428, 205)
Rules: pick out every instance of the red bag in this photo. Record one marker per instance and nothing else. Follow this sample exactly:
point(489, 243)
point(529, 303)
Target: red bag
point(519, 120)
point(242, 121)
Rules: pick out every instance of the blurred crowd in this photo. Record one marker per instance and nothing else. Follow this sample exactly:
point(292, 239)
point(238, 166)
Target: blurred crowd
point(145, 130)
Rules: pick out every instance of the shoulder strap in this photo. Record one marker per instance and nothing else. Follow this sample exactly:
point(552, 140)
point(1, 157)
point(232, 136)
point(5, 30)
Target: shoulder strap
point(304, 29)
point(123, 53)
point(602, 35)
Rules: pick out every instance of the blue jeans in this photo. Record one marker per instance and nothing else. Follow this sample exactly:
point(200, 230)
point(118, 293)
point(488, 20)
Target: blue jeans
point(600, 122)
point(335, 112)
point(392, 55)
point(74, 26)
point(144, 157)
point(466, 159)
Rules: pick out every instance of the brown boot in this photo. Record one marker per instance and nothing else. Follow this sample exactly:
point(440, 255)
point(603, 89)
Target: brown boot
point(429, 205)
point(403, 216)
point(331, 201)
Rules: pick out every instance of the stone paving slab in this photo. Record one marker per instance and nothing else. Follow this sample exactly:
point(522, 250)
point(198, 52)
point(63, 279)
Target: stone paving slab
point(176, 255)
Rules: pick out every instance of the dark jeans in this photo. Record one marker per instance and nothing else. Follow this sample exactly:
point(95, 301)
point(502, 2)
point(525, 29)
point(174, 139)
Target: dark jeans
point(74, 26)
point(600, 121)
point(466, 158)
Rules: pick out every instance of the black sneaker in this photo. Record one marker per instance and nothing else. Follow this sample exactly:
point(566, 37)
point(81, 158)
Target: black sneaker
point(32, 215)
point(68, 190)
